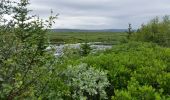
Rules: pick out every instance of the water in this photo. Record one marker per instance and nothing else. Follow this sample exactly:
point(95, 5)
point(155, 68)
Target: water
point(96, 46)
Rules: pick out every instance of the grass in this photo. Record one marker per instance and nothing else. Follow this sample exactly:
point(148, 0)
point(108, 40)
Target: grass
point(79, 37)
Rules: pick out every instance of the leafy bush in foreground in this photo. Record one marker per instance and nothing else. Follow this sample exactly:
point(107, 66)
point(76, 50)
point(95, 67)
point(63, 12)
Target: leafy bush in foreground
point(136, 92)
point(147, 63)
point(86, 82)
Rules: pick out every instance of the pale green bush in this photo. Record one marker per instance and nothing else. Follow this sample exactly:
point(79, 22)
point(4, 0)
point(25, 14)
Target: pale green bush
point(86, 82)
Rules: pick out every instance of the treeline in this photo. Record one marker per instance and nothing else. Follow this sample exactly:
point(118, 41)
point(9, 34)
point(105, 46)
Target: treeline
point(129, 71)
point(156, 31)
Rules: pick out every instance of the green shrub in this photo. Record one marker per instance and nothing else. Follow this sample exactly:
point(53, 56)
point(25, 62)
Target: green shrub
point(146, 62)
point(71, 53)
point(137, 92)
point(85, 49)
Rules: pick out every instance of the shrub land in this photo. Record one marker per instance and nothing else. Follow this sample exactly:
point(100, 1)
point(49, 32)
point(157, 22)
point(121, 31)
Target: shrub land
point(137, 68)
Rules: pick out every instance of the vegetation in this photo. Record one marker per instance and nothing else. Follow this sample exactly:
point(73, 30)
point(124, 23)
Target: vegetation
point(86, 82)
point(25, 66)
point(79, 37)
point(129, 71)
point(156, 31)
point(130, 31)
point(85, 49)
point(140, 66)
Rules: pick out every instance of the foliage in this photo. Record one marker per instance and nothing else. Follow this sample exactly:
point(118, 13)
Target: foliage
point(156, 31)
point(137, 92)
point(147, 63)
point(85, 49)
point(86, 82)
point(71, 53)
point(25, 65)
point(55, 88)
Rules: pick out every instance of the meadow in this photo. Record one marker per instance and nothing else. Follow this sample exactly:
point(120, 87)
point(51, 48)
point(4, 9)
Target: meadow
point(79, 37)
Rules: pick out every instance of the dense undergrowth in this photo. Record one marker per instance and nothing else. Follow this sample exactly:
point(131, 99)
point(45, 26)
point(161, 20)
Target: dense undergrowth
point(136, 70)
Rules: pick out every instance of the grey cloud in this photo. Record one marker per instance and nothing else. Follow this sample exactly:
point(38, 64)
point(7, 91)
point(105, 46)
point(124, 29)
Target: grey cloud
point(97, 14)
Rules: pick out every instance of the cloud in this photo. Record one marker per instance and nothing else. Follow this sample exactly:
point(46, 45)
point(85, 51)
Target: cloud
point(100, 14)
point(81, 22)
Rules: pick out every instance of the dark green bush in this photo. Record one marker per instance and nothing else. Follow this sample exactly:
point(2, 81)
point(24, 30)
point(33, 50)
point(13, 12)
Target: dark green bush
point(85, 49)
point(147, 63)
point(137, 92)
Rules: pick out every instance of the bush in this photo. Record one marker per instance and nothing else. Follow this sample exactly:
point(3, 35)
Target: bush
point(86, 82)
point(85, 49)
point(137, 92)
point(147, 63)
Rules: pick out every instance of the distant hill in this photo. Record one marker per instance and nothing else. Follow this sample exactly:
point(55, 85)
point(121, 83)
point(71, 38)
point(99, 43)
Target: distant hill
point(80, 30)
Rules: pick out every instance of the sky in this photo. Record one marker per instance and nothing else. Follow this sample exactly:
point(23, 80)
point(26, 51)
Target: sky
point(101, 14)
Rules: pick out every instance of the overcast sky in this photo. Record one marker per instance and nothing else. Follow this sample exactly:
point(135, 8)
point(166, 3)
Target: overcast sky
point(101, 14)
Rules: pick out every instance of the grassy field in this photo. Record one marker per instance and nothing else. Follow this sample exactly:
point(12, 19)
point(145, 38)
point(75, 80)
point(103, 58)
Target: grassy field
point(78, 37)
